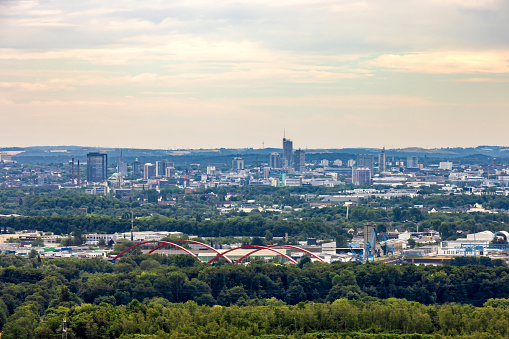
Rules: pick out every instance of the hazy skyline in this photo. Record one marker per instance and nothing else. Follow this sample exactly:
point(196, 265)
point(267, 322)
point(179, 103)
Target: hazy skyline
point(202, 74)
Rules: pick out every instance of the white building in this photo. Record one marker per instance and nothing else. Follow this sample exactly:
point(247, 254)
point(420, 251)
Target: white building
point(445, 165)
point(481, 236)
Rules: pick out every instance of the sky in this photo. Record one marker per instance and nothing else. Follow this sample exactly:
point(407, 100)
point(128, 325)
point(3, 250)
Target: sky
point(234, 74)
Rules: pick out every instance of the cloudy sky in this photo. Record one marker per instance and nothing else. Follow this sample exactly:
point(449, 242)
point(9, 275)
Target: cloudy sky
point(205, 74)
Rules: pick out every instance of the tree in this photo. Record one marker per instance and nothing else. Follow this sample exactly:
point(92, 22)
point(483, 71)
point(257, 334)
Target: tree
point(445, 230)
point(268, 235)
point(32, 254)
point(38, 242)
point(411, 242)
point(257, 241)
point(101, 242)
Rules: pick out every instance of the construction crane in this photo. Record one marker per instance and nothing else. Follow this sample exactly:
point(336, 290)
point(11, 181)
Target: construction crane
point(389, 248)
point(357, 252)
point(367, 252)
point(369, 246)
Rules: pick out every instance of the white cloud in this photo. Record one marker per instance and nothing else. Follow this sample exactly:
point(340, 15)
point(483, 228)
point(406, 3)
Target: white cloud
point(446, 62)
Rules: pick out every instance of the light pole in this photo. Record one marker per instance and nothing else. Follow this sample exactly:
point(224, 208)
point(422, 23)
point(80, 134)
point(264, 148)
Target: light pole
point(132, 225)
point(64, 329)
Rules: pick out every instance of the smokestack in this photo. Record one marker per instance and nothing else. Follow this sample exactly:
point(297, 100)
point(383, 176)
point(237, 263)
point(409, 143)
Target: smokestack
point(78, 172)
point(72, 166)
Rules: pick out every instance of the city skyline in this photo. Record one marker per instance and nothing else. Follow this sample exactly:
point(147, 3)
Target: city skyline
point(188, 75)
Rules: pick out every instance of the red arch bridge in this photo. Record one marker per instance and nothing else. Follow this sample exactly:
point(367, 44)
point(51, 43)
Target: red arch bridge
point(219, 254)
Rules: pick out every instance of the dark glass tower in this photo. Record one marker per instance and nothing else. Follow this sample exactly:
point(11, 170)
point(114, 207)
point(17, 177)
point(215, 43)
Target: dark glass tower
point(97, 166)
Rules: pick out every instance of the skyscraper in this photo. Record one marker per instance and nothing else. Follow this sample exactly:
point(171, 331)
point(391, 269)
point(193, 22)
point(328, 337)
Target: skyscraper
point(382, 161)
point(136, 169)
point(149, 171)
point(97, 166)
point(299, 160)
point(237, 164)
point(365, 160)
point(275, 161)
point(161, 168)
point(361, 176)
point(121, 169)
point(287, 152)
point(412, 162)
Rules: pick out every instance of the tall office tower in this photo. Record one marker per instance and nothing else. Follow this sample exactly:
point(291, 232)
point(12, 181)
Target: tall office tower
point(97, 166)
point(299, 160)
point(237, 164)
point(275, 160)
point(170, 172)
point(161, 168)
point(361, 176)
point(365, 160)
point(121, 168)
point(287, 152)
point(136, 169)
point(412, 162)
point(382, 161)
point(149, 171)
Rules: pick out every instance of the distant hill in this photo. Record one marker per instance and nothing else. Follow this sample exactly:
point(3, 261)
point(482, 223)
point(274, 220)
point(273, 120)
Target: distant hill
point(59, 154)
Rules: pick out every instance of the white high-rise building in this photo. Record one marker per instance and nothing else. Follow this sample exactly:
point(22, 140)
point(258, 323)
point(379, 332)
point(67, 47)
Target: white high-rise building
point(412, 162)
point(446, 165)
point(382, 161)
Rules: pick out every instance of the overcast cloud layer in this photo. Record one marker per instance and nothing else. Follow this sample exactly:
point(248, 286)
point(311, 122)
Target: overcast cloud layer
point(204, 74)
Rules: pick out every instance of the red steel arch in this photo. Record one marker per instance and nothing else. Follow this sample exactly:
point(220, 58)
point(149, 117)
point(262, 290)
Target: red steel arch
point(252, 246)
point(284, 246)
point(192, 242)
point(157, 241)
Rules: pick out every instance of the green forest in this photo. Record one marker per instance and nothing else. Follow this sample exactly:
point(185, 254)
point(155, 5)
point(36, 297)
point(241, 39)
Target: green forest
point(168, 296)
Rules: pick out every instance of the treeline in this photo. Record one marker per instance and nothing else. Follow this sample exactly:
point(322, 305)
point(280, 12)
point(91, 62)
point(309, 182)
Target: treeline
point(182, 278)
point(32, 289)
point(489, 201)
point(197, 214)
point(253, 225)
point(393, 318)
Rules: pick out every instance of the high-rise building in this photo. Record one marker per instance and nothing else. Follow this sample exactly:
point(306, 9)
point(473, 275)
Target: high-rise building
point(170, 172)
point(136, 169)
point(338, 162)
point(361, 176)
point(365, 160)
point(299, 160)
point(412, 162)
point(149, 171)
point(211, 170)
point(382, 161)
point(287, 152)
point(350, 163)
point(97, 167)
point(275, 160)
point(121, 169)
point(237, 164)
point(445, 165)
point(161, 168)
